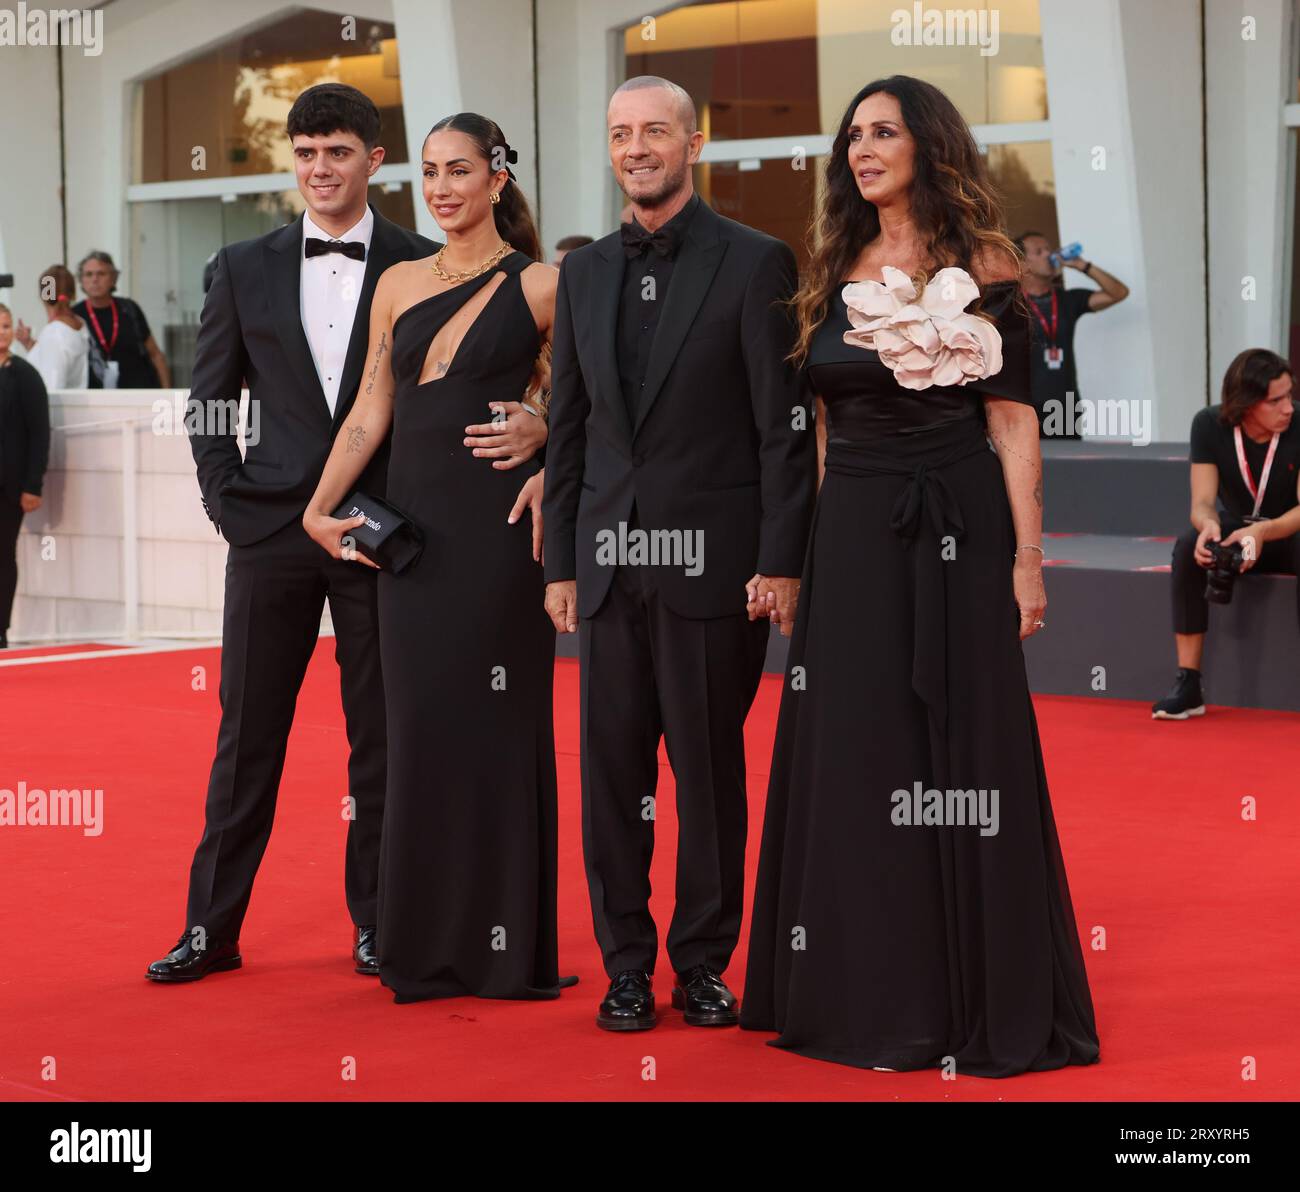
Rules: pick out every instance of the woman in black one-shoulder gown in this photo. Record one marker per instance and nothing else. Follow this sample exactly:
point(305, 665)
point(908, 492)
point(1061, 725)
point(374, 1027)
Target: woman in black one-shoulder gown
point(878, 941)
point(467, 865)
point(467, 871)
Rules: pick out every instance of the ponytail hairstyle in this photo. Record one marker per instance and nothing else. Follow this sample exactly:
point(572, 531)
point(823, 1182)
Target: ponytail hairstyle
point(58, 281)
point(1247, 380)
point(512, 215)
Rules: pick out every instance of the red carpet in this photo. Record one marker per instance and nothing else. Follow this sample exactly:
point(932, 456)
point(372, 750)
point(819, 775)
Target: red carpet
point(1198, 906)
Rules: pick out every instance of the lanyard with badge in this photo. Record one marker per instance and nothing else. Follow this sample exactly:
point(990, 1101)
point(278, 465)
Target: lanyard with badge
point(109, 379)
point(1053, 356)
point(1256, 492)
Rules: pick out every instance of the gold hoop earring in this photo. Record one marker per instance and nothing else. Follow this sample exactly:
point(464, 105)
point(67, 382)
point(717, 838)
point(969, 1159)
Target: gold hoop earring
point(494, 197)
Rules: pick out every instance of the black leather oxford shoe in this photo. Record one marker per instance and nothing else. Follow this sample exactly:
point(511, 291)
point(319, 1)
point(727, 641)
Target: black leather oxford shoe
point(185, 962)
point(703, 997)
point(630, 1003)
point(364, 955)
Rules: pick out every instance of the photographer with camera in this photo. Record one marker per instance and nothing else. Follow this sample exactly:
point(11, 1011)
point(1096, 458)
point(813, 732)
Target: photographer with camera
point(1245, 452)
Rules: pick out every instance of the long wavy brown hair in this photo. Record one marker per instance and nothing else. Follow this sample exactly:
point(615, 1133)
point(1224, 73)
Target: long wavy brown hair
point(954, 205)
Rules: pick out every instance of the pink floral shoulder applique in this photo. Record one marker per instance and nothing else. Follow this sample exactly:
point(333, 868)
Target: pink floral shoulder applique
point(930, 341)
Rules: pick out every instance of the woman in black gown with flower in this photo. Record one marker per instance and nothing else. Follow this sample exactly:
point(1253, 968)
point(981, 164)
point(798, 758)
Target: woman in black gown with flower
point(467, 876)
point(880, 941)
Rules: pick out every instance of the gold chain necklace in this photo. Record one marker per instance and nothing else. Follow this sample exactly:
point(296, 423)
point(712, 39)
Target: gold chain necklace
point(464, 275)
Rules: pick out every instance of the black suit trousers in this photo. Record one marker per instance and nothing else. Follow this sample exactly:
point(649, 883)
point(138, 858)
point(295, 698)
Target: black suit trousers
point(11, 520)
point(1191, 612)
point(648, 672)
point(275, 593)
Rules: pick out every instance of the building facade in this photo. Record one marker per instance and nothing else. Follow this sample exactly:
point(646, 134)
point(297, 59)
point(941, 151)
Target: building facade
point(1160, 134)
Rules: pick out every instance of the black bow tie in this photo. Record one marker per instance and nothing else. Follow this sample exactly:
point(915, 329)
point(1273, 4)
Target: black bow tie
point(636, 240)
point(349, 248)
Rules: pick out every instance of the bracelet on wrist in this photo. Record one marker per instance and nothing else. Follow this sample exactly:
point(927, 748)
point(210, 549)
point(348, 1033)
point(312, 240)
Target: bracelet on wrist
point(1030, 546)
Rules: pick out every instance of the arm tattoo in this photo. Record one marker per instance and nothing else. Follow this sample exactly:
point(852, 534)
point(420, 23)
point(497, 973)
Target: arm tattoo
point(1038, 491)
point(999, 440)
point(374, 368)
point(356, 439)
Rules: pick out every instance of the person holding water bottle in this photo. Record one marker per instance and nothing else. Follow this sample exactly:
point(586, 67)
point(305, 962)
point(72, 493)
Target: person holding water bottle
point(1056, 311)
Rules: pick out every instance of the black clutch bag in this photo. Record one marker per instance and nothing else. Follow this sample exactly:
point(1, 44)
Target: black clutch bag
point(387, 537)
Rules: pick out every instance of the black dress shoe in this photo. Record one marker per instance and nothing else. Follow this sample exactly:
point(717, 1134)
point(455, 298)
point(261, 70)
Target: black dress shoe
point(630, 1003)
point(364, 955)
point(700, 992)
point(185, 962)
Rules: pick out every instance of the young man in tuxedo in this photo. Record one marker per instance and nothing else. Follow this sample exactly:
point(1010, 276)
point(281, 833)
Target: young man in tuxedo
point(674, 412)
point(289, 315)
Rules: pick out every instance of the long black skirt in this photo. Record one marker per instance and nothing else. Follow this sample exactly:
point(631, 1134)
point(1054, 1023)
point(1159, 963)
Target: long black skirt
point(894, 927)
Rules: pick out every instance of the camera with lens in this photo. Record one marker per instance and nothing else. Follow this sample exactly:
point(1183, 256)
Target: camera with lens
point(1225, 566)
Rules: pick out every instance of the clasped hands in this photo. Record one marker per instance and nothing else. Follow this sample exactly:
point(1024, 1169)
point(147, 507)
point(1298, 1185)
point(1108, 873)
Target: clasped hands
point(773, 597)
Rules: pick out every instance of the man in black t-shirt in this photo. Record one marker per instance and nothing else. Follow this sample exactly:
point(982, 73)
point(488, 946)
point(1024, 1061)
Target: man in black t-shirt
point(1245, 460)
point(1055, 311)
point(123, 352)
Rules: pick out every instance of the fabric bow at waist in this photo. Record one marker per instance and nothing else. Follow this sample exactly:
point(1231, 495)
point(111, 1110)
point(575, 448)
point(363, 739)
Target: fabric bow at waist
point(925, 500)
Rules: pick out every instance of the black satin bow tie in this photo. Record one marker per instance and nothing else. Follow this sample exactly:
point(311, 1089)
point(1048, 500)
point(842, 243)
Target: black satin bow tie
point(349, 248)
point(636, 240)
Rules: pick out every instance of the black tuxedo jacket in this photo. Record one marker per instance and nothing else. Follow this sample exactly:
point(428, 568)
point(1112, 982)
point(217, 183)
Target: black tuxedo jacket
point(723, 443)
point(251, 333)
point(24, 430)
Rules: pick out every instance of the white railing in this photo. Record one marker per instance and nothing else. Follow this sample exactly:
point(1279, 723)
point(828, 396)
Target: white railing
point(130, 515)
point(157, 598)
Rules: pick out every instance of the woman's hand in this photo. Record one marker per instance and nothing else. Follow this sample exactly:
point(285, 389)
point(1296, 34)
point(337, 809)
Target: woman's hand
point(334, 534)
point(30, 502)
point(1031, 596)
point(530, 498)
point(23, 334)
point(510, 440)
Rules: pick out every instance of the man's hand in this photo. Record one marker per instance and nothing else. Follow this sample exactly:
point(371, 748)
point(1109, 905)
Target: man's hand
point(530, 497)
point(1210, 532)
point(562, 605)
point(1257, 534)
point(774, 597)
point(510, 440)
point(30, 502)
point(334, 534)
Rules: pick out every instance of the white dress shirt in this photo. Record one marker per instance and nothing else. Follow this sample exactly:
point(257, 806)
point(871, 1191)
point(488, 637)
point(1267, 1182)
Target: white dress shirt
point(62, 355)
point(329, 292)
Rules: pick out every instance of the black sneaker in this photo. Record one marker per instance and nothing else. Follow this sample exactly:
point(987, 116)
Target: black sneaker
point(1184, 698)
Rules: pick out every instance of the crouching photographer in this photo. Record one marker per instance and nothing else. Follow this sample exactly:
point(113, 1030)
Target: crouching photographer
point(1246, 453)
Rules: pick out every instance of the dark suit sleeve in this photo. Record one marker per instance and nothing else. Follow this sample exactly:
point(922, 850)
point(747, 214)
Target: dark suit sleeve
point(219, 368)
point(787, 441)
point(36, 416)
point(566, 445)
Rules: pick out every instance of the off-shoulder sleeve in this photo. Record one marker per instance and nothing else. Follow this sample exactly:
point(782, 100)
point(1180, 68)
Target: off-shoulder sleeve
point(1012, 380)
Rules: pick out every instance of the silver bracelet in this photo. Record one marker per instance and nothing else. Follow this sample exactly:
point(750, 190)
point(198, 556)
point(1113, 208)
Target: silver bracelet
point(1030, 546)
